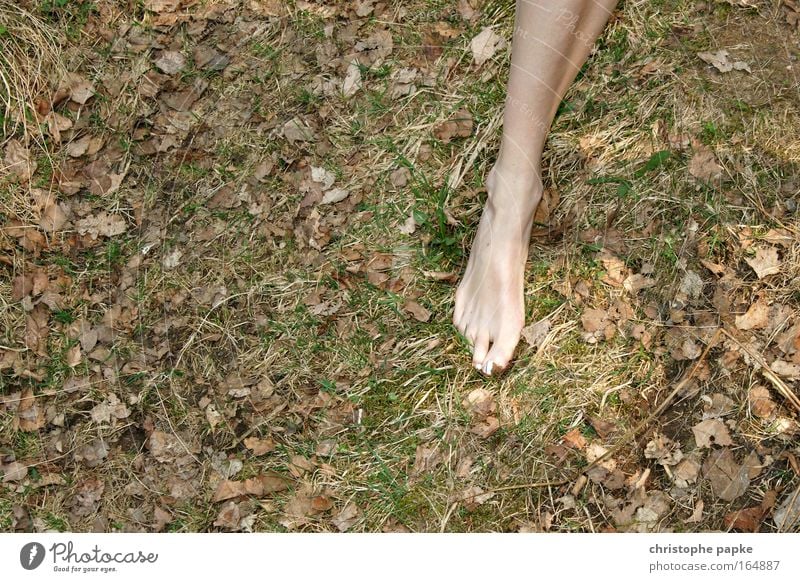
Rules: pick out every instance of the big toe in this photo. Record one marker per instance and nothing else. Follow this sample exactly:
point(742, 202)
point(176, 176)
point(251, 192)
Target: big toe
point(481, 348)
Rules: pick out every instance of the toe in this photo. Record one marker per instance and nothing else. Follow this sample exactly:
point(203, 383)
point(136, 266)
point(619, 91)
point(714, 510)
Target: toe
point(458, 314)
point(481, 347)
point(502, 351)
point(471, 334)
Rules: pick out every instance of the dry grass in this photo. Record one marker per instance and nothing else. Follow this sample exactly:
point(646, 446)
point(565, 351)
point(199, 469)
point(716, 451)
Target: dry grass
point(30, 65)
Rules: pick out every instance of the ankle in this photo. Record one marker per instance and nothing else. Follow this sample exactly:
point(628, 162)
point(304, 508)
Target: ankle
point(517, 191)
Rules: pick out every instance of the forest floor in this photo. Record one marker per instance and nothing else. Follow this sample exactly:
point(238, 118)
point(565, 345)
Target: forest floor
point(230, 238)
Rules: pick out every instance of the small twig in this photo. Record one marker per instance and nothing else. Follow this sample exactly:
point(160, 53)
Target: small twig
point(631, 433)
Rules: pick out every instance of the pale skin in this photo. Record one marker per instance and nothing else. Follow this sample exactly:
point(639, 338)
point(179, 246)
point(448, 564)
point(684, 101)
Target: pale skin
point(552, 40)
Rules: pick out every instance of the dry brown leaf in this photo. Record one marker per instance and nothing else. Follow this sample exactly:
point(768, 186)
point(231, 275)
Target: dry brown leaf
point(686, 472)
point(697, 514)
point(756, 317)
point(349, 515)
point(13, 471)
point(728, 479)
point(87, 497)
point(536, 333)
point(748, 519)
point(711, 431)
point(594, 320)
point(229, 516)
point(426, 459)
point(18, 161)
point(663, 450)
point(171, 62)
point(56, 123)
point(761, 402)
point(574, 439)
point(485, 45)
point(616, 271)
point(704, 165)
point(787, 515)
point(459, 125)
point(259, 446)
point(636, 282)
point(766, 262)
point(295, 130)
point(30, 416)
point(474, 496)
point(163, 5)
point(486, 427)
point(80, 89)
point(102, 224)
point(785, 369)
point(479, 402)
point(416, 310)
point(719, 60)
point(352, 80)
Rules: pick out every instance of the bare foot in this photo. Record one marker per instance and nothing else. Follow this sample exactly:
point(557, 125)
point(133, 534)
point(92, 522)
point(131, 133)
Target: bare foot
point(490, 308)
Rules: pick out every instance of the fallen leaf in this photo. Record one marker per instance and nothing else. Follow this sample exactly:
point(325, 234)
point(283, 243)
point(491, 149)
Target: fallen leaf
point(352, 80)
point(711, 431)
point(30, 416)
point(13, 471)
point(594, 319)
point(663, 450)
point(728, 479)
point(409, 226)
point(259, 446)
point(697, 514)
point(636, 282)
point(765, 262)
point(485, 45)
point(426, 459)
point(459, 125)
point(686, 472)
point(417, 311)
point(56, 123)
point(295, 130)
point(80, 89)
point(486, 427)
point(761, 402)
point(785, 369)
point(229, 516)
point(717, 405)
point(87, 497)
point(171, 62)
point(603, 428)
point(18, 161)
point(474, 496)
point(536, 333)
point(748, 519)
point(347, 517)
point(616, 271)
point(756, 317)
point(335, 195)
point(54, 217)
point(719, 60)
point(787, 515)
point(479, 402)
point(574, 439)
point(704, 165)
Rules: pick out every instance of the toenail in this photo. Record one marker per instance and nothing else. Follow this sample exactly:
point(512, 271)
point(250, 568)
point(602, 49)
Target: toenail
point(487, 368)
